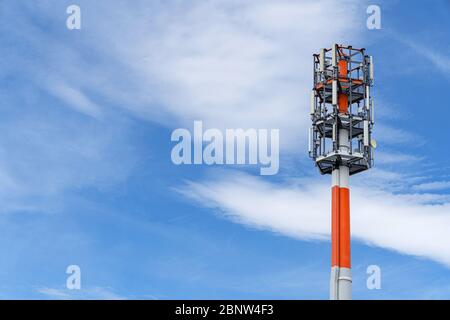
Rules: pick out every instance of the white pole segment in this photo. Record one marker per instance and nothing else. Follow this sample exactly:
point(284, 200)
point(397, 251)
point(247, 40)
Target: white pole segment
point(345, 284)
point(334, 93)
point(344, 143)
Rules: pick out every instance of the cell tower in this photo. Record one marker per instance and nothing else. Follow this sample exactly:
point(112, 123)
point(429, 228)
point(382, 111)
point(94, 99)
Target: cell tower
point(342, 114)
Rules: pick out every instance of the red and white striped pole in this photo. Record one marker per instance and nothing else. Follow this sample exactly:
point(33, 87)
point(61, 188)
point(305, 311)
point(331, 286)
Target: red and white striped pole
point(340, 74)
point(341, 276)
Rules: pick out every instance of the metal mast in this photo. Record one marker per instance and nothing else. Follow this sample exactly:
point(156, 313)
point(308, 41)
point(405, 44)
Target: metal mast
point(342, 114)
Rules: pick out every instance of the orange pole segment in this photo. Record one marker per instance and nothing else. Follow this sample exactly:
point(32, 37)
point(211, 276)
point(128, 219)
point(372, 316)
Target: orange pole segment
point(343, 98)
point(343, 68)
point(343, 103)
point(335, 226)
point(344, 228)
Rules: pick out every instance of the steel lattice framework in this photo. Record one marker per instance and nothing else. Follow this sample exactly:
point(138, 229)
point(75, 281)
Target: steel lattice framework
point(341, 99)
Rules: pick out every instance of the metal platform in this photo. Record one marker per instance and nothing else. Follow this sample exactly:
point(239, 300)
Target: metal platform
point(355, 161)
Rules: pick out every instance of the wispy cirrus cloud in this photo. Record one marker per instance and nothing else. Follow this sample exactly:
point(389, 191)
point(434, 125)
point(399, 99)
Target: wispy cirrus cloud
point(386, 157)
point(433, 186)
point(438, 57)
point(75, 98)
point(90, 293)
point(407, 223)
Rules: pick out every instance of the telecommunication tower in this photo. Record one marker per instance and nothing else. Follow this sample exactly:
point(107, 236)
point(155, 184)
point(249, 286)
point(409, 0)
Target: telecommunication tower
point(342, 114)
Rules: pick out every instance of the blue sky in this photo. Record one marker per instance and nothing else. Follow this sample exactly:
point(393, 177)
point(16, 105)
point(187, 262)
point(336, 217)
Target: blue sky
point(86, 174)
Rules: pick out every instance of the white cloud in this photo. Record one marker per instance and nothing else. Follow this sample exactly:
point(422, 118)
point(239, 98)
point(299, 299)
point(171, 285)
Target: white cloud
point(440, 59)
point(433, 186)
point(75, 98)
point(406, 223)
point(396, 157)
point(391, 135)
point(91, 293)
point(55, 293)
point(235, 64)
